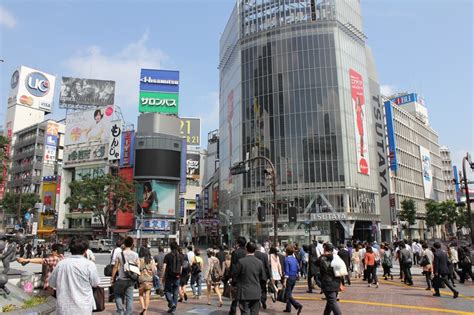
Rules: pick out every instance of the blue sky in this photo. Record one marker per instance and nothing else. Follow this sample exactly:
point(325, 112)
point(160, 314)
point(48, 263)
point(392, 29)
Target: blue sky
point(425, 46)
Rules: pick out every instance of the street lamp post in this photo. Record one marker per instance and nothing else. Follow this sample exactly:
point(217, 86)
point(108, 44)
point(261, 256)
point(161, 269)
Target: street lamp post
point(240, 168)
point(466, 192)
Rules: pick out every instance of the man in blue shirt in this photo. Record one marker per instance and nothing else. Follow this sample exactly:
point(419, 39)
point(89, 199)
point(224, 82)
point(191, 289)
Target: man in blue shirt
point(292, 269)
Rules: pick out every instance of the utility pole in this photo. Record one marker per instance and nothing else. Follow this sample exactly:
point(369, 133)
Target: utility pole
point(467, 159)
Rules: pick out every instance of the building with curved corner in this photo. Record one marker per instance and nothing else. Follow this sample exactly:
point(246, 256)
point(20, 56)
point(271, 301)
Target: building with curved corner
point(298, 85)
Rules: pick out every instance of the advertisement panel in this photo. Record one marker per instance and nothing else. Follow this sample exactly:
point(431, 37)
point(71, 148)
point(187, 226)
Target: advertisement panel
point(88, 126)
point(32, 88)
point(392, 142)
point(159, 80)
point(115, 140)
point(426, 172)
point(190, 128)
point(156, 198)
point(76, 91)
point(48, 195)
point(193, 163)
point(92, 153)
point(408, 98)
point(358, 106)
point(90, 171)
point(51, 142)
point(127, 152)
point(158, 102)
point(156, 225)
point(456, 184)
point(4, 169)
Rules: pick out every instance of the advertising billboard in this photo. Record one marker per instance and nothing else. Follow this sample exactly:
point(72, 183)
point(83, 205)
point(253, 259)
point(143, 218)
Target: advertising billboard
point(159, 80)
point(115, 140)
point(89, 126)
point(392, 140)
point(426, 172)
point(360, 126)
point(158, 102)
point(89, 92)
point(50, 142)
point(48, 195)
point(32, 88)
point(127, 154)
point(190, 128)
point(156, 225)
point(193, 162)
point(408, 98)
point(156, 198)
point(91, 153)
point(457, 187)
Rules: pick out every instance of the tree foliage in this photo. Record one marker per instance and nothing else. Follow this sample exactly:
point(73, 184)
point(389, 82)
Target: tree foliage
point(448, 211)
point(103, 196)
point(462, 218)
point(11, 202)
point(4, 142)
point(433, 213)
point(408, 212)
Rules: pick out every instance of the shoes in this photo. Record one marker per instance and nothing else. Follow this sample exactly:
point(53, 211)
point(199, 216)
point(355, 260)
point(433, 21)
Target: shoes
point(286, 311)
point(264, 306)
point(455, 294)
point(172, 309)
point(370, 285)
point(273, 298)
point(180, 300)
point(428, 289)
point(220, 304)
point(436, 294)
point(377, 285)
point(299, 310)
point(392, 277)
point(185, 297)
point(386, 278)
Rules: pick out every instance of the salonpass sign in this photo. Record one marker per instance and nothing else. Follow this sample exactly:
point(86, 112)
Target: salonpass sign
point(159, 102)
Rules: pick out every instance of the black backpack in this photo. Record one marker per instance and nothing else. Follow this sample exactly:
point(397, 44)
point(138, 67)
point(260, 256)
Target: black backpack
point(195, 267)
point(175, 266)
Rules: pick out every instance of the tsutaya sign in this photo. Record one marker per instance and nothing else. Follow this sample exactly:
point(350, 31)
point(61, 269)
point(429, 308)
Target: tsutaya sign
point(328, 216)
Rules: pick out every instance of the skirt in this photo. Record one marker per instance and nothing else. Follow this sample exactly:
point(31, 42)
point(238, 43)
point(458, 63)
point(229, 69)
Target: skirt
point(276, 275)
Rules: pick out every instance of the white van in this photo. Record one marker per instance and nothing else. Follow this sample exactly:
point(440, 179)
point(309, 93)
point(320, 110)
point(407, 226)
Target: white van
point(101, 245)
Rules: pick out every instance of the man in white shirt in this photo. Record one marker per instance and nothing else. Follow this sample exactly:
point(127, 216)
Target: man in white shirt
point(190, 254)
point(73, 278)
point(320, 248)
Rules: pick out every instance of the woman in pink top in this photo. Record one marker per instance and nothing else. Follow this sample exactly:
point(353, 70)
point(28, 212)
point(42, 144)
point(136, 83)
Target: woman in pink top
point(371, 267)
point(276, 269)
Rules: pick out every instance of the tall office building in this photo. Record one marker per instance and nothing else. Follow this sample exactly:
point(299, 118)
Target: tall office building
point(415, 160)
point(298, 85)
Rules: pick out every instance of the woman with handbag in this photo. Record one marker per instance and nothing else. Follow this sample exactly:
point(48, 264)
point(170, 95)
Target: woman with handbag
point(276, 270)
point(184, 278)
point(371, 267)
point(227, 275)
point(426, 262)
point(145, 280)
point(213, 276)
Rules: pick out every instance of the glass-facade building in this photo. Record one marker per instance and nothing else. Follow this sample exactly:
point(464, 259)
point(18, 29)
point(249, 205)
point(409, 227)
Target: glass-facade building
point(298, 85)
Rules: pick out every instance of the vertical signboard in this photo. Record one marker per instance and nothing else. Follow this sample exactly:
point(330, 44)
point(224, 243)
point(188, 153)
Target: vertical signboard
point(4, 163)
point(392, 142)
point(426, 172)
point(115, 140)
point(456, 183)
point(182, 175)
point(358, 106)
point(190, 129)
point(127, 153)
point(50, 142)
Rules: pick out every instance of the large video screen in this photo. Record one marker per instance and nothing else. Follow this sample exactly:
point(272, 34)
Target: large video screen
point(156, 198)
point(157, 163)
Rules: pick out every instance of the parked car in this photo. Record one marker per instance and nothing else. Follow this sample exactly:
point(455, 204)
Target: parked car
point(101, 245)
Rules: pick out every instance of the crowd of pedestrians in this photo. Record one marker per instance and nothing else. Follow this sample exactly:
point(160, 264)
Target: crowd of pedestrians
point(248, 273)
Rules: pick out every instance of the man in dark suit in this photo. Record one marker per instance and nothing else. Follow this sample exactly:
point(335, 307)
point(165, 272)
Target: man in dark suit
point(263, 285)
point(236, 256)
point(249, 273)
point(345, 256)
point(313, 267)
point(441, 270)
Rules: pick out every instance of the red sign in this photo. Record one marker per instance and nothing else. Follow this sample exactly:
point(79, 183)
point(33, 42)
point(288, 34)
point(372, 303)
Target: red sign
point(358, 106)
point(5, 165)
point(126, 173)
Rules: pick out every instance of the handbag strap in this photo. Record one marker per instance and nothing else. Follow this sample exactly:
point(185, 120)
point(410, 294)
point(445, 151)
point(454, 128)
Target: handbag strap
point(123, 262)
point(112, 256)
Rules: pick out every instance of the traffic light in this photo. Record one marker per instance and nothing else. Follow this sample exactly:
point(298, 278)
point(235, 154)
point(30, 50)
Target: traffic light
point(238, 168)
point(292, 214)
point(261, 215)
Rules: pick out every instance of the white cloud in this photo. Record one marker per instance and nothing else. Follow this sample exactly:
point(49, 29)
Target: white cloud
point(6, 18)
point(123, 67)
point(387, 90)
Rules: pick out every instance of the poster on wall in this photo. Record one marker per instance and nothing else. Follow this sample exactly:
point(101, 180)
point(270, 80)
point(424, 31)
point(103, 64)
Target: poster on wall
point(193, 165)
point(360, 126)
point(89, 126)
point(49, 195)
point(76, 91)
point(156, 198)
point(426, 172)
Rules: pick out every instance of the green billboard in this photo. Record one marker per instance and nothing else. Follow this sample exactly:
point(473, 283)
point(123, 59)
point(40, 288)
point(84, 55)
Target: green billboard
point(158, 102)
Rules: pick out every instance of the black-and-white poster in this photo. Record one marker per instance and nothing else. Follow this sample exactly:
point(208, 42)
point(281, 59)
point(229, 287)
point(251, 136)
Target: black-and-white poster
point(75, 91)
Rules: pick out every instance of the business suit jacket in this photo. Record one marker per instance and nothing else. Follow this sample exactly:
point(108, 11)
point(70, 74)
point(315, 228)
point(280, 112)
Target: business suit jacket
point(440, 262)
point(264, 259)
point(344, 254)
point(237, 254)
point(313, 260)
point(282, 263)
point(248, 274)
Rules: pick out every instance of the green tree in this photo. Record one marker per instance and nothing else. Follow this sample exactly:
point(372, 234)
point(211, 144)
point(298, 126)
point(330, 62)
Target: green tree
point(103, 196)
point(11, 202)
point(449, 212)
point(408, 212)
point(462, 218)
point(434, 216)
point(4, 158)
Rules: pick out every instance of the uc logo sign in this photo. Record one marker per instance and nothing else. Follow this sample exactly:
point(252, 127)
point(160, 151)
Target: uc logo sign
point(14, 80)
point(37, 84)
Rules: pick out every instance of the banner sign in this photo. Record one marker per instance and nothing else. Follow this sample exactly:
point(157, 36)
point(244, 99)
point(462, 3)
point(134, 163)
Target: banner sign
point(158, 102)
point(358, 106)
point(51, 142)
point(190, 129)
point(156, 224)
point(159, 80)
point(115, 141)
point(456, 184)
point(85, 154)
point(75, 91)
point(427, 172)
point(88, 126)
point(408, 98)
point(32, 88)
point(127, 155)
point(392, 140)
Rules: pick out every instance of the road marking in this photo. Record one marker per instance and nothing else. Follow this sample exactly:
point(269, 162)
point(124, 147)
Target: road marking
point(411, 307)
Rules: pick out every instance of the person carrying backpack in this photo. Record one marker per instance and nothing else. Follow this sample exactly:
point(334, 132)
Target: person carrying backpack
point(213, 276)
point(196, 273)
point(386, 257)
point(172, 268)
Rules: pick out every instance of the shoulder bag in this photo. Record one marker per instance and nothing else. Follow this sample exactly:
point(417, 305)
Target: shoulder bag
point(109, 267)
point(130, 269)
